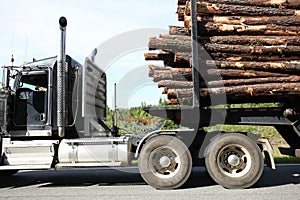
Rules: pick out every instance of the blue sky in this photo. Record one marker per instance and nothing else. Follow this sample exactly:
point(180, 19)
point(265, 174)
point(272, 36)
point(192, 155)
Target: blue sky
point(29, 29)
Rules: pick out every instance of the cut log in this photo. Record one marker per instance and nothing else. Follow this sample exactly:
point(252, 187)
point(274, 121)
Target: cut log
point(245, 20)
point(239, 40)
point(182, 101)
point(293, 66)
point(272, 3)
point(178, 30)
point(169, 59)
point(233, 9)
point(180, 12)
point(253, 50)
point(211, 28)
point(256, 40)
point(170, 84)
point(177, 74)
point(181, 2)
point(267, 89)
point(245, 57)
point(232, 73)
point(162, 55)
point(153, 68)
point(231, 82)
point(170, 45)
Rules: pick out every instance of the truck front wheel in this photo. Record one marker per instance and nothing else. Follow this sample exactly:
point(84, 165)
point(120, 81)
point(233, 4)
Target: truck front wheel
point(234, 161)
point(165, 162)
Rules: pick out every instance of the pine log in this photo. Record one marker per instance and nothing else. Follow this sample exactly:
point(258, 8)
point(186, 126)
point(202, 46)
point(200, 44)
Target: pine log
point(244, 20)
point(183, 56)
point(234, 82)
point(233, 9)
point(181, 2)
point(171, 45)
point(267, 89)
point(170, 84)
point(180, 12)
point(239, 40)
point(177, 74)
point(179, 93)
point(153, 68)
point(250, 50)
point(293, 66)
point(182, 101)
point(178, 30)
point(232, 73)
point(274, 3)
point(183, 44)
point(256, 40)
point(159, 56)
point(246, 57)
point(211, 28)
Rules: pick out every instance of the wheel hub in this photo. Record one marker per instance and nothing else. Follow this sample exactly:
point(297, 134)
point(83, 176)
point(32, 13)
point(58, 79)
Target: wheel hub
point(233, 160)
point(165, 161)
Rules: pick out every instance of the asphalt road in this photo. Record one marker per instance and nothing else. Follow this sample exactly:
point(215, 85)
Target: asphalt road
point(109, 183)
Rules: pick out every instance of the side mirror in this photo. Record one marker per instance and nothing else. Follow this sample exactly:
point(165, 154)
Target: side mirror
point(5, 78)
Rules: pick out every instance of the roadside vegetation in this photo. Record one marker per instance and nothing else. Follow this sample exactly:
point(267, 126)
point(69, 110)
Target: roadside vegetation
point(136, 120)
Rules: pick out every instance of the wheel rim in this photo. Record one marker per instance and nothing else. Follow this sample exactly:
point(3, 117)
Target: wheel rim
point(234, 161)
point(164, 162)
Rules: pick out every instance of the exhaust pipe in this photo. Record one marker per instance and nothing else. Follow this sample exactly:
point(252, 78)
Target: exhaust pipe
point(61, 59)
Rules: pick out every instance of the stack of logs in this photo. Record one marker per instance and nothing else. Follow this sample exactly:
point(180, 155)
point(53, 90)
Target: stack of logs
point(249, 51)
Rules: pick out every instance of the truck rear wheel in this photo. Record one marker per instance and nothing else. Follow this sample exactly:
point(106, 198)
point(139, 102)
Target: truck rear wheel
point(234, 161)
point(165, 162)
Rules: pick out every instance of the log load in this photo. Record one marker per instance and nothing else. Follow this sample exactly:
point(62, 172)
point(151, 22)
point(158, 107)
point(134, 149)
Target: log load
point(249, 52)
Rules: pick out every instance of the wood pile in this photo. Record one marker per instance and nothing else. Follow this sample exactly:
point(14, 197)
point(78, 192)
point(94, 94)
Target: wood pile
point(249, 51)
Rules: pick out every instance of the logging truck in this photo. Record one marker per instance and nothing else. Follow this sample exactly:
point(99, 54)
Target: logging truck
point(52, 114)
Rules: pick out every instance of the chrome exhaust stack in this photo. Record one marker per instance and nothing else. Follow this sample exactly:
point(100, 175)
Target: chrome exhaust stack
point(61, 89)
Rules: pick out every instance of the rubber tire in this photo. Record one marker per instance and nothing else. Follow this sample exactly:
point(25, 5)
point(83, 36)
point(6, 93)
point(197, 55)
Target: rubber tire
point(165, 183)
point(221, 178)
point(6, 173)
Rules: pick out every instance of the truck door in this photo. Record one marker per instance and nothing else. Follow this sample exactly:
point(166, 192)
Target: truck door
point(31, 105)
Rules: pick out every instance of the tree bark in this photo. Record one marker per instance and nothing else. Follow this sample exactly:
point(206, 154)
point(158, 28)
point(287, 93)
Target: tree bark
point(267, 89)
point(244, 20)
point(246, 57)
point(162, 55)
point(178, 30)
point(211, 28)
point(153, 68)
point(180, 12)
point(256, 40)
point(170, 84)
point(177, 74)
point(183, 44)
point(232, 73)
point(233, 9)
point(172, 45)
point(234, 82)
point(293, 66)
point(276, 3)
point(253, 50)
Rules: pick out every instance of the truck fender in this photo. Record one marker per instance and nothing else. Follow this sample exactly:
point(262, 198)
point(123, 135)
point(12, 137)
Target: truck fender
point(151, 135)
point(268, 151)
point(266, 148)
